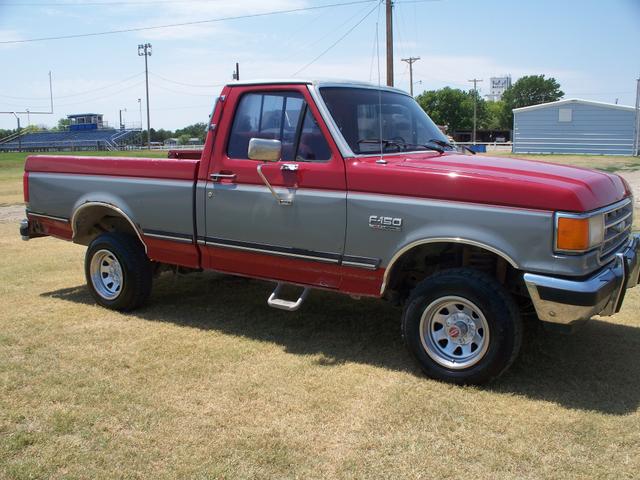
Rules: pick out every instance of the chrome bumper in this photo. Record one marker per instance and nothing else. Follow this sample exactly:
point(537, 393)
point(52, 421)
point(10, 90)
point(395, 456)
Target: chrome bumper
point(565, 302)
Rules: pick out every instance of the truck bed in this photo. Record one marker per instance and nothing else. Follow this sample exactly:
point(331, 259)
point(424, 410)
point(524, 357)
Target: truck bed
point(155, 195)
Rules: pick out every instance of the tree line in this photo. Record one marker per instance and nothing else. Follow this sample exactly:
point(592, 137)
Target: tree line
point(454, 107)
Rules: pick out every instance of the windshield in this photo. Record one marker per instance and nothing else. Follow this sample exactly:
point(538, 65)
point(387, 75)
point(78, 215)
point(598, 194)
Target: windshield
point(370, 119)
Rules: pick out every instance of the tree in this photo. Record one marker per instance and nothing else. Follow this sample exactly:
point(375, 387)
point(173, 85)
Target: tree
point(454, 108)
point(530, 90)
point(497, 118)
point(183, 139)
point(197, 130)
point(63, 124)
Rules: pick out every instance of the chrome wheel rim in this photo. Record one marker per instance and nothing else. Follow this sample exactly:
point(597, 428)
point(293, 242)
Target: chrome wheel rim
point(106, 274)
point(454, 332)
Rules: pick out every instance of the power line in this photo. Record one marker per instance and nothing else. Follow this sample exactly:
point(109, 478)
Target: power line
point(186, 84)
point(184, 24)
point(337, 41)
point(161, 87)
point(102, 4)
point(102, 97)
point(106, 87)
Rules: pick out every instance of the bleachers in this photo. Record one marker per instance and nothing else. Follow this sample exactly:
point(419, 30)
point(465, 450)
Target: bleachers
point(103, 139)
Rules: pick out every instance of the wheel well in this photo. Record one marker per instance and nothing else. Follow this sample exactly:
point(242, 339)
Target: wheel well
point(90, 221)
point(426, 259)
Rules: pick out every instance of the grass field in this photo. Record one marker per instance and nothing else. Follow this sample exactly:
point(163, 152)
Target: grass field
point(208, 382)
point(608, 163)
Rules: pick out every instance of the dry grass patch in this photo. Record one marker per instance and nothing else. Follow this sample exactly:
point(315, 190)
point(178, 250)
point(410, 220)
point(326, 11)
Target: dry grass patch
point(208, 382)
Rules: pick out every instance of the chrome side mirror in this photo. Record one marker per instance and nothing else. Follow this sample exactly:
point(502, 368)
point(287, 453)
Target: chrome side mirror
point(265, 150)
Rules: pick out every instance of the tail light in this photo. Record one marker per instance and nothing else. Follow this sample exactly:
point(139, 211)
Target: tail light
point(25, 187)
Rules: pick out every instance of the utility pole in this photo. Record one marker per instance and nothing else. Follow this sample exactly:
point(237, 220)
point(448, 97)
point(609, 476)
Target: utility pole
point(636, 136)
point(475, 106)
point(389, 5)
point(145, 51)
point(411, 61)
point(236, 74)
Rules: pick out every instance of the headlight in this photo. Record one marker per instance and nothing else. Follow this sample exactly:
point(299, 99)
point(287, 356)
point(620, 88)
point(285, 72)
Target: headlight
point(578, 233)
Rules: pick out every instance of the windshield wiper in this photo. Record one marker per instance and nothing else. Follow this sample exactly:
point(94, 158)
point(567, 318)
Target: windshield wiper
point(442, 143)
point(383, 142)
point(399, 144)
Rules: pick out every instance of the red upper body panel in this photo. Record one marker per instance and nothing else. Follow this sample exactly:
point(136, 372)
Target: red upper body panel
point(183, 169)
point(488, 180)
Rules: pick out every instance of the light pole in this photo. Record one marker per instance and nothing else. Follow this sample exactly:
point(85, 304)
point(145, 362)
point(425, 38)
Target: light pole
point(120, 113)
point(145, 51)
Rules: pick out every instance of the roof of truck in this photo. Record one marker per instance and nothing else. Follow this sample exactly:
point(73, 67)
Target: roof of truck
point(316, 82)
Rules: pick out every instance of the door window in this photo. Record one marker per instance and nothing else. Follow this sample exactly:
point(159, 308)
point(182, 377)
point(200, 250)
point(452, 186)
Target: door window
point(283, 117)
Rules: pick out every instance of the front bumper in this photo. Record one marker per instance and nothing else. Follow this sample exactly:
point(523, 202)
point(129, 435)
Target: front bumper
point(565, 302)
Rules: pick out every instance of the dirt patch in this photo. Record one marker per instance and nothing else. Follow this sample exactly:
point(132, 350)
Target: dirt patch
point(12, 213)
point(634, 180)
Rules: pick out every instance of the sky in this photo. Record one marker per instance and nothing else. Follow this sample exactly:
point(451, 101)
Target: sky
point(592, 47)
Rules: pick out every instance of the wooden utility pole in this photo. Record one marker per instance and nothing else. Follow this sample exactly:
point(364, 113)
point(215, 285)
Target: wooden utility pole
point(389, 5)
point(411, 61)
point(145, 51)
point(475, 106)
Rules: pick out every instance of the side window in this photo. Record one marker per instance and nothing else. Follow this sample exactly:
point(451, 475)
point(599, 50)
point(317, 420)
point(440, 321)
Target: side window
point(283, 117)
point(271, 116)
point(313, 146)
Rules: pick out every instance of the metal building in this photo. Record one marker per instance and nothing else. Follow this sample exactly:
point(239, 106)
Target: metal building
point(574, 126)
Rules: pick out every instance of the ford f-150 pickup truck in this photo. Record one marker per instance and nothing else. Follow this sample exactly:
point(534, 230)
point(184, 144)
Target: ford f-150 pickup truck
point(352, 188)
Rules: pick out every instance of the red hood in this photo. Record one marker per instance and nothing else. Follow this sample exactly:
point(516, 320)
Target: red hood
point(491, 180)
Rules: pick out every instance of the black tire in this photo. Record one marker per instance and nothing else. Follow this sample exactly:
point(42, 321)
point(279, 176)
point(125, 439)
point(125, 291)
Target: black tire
point(497, 309)
point(135, 271)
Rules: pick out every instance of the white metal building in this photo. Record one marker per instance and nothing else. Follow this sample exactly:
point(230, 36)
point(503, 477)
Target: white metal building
point(574, 126)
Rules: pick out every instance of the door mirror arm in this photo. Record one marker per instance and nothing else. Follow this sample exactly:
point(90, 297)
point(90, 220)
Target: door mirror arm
point(280, 200)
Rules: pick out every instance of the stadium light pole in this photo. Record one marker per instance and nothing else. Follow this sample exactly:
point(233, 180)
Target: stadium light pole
point(145, 51)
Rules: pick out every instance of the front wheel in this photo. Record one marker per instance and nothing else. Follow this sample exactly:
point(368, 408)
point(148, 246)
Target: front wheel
point(462, 326)
point(118, 272)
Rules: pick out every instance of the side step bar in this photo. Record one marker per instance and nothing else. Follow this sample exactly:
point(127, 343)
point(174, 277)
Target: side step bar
point(288, 305)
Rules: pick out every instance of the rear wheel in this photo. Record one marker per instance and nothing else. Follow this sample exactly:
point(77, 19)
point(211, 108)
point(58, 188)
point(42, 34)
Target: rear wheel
point(118, 272)
point(462, 326)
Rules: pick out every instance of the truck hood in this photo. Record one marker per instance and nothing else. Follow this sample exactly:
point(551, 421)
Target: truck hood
point(491, 180)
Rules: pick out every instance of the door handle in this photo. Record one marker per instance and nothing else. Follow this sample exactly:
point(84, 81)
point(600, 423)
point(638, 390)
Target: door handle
point(289, 167)
point(216, 177)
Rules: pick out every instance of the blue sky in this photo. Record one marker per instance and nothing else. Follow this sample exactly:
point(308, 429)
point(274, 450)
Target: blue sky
point(591, 47)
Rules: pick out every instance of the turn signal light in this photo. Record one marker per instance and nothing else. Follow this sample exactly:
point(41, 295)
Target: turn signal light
point(578, 234)
point(573, 234)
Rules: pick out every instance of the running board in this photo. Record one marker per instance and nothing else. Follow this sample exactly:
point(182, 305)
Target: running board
point(288, 305)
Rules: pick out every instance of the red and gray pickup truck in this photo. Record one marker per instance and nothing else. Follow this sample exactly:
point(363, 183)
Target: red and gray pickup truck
point(351, 187)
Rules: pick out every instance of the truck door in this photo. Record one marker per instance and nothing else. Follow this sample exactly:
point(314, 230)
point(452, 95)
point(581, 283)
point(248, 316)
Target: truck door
point(248, 230)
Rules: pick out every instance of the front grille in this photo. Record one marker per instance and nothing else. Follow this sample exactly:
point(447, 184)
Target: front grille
point(617, 228)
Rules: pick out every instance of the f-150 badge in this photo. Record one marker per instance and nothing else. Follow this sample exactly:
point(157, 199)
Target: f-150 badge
point(385, 223)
